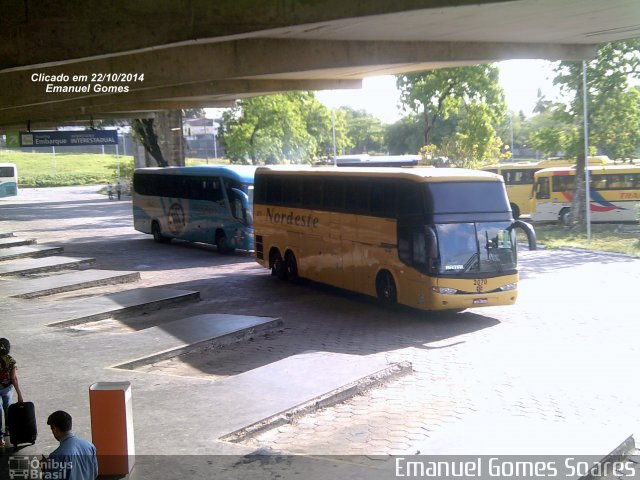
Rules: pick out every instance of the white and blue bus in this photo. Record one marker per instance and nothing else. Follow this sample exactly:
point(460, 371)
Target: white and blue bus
point(8, 180)
point(206, 203)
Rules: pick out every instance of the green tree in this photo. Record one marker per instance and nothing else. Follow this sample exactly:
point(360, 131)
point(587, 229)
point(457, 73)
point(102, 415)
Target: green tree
point(404, 136)
point(608, 92)
point(290, 126)
point(617, 124)
point(365, 132)
point(437, 94)
point(475, 138)
point(548, 140)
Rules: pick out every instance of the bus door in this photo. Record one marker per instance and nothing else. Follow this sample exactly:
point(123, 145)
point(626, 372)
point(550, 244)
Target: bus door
point(333, 256)
point(544, 205)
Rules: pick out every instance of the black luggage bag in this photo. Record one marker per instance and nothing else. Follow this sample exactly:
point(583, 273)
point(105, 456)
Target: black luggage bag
point(22, 424)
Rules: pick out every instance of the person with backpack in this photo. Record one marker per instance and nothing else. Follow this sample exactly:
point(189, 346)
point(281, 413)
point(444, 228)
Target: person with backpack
point(8, 383)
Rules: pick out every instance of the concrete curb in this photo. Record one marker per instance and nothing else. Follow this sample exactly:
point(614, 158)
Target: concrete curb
point(68, 264)
point(115, 280)
point(185, 296)
point(339, 395)
point(204, 345)
point(8, 242)
point(619, 454)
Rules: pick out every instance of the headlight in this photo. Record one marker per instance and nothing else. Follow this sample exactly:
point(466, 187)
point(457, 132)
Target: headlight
point(509, 286)
point(445, 290)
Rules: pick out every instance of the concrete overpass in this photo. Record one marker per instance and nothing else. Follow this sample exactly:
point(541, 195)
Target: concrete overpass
point(201, 53)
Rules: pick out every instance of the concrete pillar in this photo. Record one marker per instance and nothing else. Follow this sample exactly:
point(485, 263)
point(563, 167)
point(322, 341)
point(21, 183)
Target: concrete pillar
point(168, 126)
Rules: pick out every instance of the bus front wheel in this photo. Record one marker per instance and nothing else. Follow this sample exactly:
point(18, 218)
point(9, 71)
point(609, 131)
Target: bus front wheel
point(223, 243)
point(157, 233)
point(386, 288)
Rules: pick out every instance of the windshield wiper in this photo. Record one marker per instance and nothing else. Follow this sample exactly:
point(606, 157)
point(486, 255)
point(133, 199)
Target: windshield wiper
point(473, 260)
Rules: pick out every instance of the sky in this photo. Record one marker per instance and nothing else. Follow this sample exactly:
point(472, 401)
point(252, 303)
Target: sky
point(520, 80)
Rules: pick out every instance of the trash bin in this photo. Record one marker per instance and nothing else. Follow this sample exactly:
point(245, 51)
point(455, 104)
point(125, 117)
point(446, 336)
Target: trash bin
point(112, 427)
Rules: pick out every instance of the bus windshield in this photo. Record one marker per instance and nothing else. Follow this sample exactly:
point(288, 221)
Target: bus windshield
point(466, 197)
point(476, 248)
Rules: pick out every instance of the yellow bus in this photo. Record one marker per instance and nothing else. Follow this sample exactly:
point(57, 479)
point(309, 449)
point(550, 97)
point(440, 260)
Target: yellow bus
point(614, 194)
point(518, 178)
point(429, 238)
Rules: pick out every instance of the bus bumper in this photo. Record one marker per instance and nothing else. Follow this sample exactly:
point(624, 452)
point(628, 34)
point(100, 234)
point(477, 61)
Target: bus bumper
point(457, 294)
point(440, 301)
point(243, 239)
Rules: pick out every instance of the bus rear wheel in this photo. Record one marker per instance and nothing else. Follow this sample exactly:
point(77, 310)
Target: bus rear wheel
point(157, 233)
point(565, 217)
point(278, 267)
point(291, 266)
point(386, 288)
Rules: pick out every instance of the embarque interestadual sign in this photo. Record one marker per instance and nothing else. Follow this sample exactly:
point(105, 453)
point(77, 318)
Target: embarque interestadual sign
point(71, 138)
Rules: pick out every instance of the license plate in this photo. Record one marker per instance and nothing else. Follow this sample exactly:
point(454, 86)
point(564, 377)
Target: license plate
point(480, 301)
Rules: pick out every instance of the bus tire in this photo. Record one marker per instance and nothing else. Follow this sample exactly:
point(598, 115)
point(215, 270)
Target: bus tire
point(157, 233)
point(222, 243)
point(565, 217)
point(278, 267)
point(291, 266)
point(386, 288)
point(515, 211)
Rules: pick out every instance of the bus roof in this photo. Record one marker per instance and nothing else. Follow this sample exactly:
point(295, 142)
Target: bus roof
point(546, 163)
point(592, 168)
point(243, 173)
point(422, 174)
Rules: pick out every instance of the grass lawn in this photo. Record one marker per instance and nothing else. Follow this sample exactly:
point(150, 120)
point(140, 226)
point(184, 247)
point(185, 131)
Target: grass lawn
point(61, 170)
point(604, 237)
point(47, 170)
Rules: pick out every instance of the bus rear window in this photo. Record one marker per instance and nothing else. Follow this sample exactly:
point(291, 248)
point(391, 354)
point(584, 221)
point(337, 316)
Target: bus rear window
point(465, 197)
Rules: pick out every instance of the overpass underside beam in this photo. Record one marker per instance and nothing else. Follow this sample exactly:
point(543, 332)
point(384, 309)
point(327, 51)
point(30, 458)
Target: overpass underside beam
point(233, 68)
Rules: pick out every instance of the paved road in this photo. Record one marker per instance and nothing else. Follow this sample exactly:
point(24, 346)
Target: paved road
point(555, 373)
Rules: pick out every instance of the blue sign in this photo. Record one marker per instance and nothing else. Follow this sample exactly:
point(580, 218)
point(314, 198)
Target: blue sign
point(69, 138)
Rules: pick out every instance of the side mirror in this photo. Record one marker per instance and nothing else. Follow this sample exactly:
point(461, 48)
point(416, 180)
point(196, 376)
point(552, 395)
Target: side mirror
point(529, 232)
point(243, 196)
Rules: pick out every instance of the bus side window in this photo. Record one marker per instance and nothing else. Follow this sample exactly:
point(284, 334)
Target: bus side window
point(419, 248)
point(358, 196)
point(333, 198)
point(382, 198)
point(215, 191)
point(599, 182)
point(412, 246)
point(292, 191)
point(562, 184)
point(542, 188)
